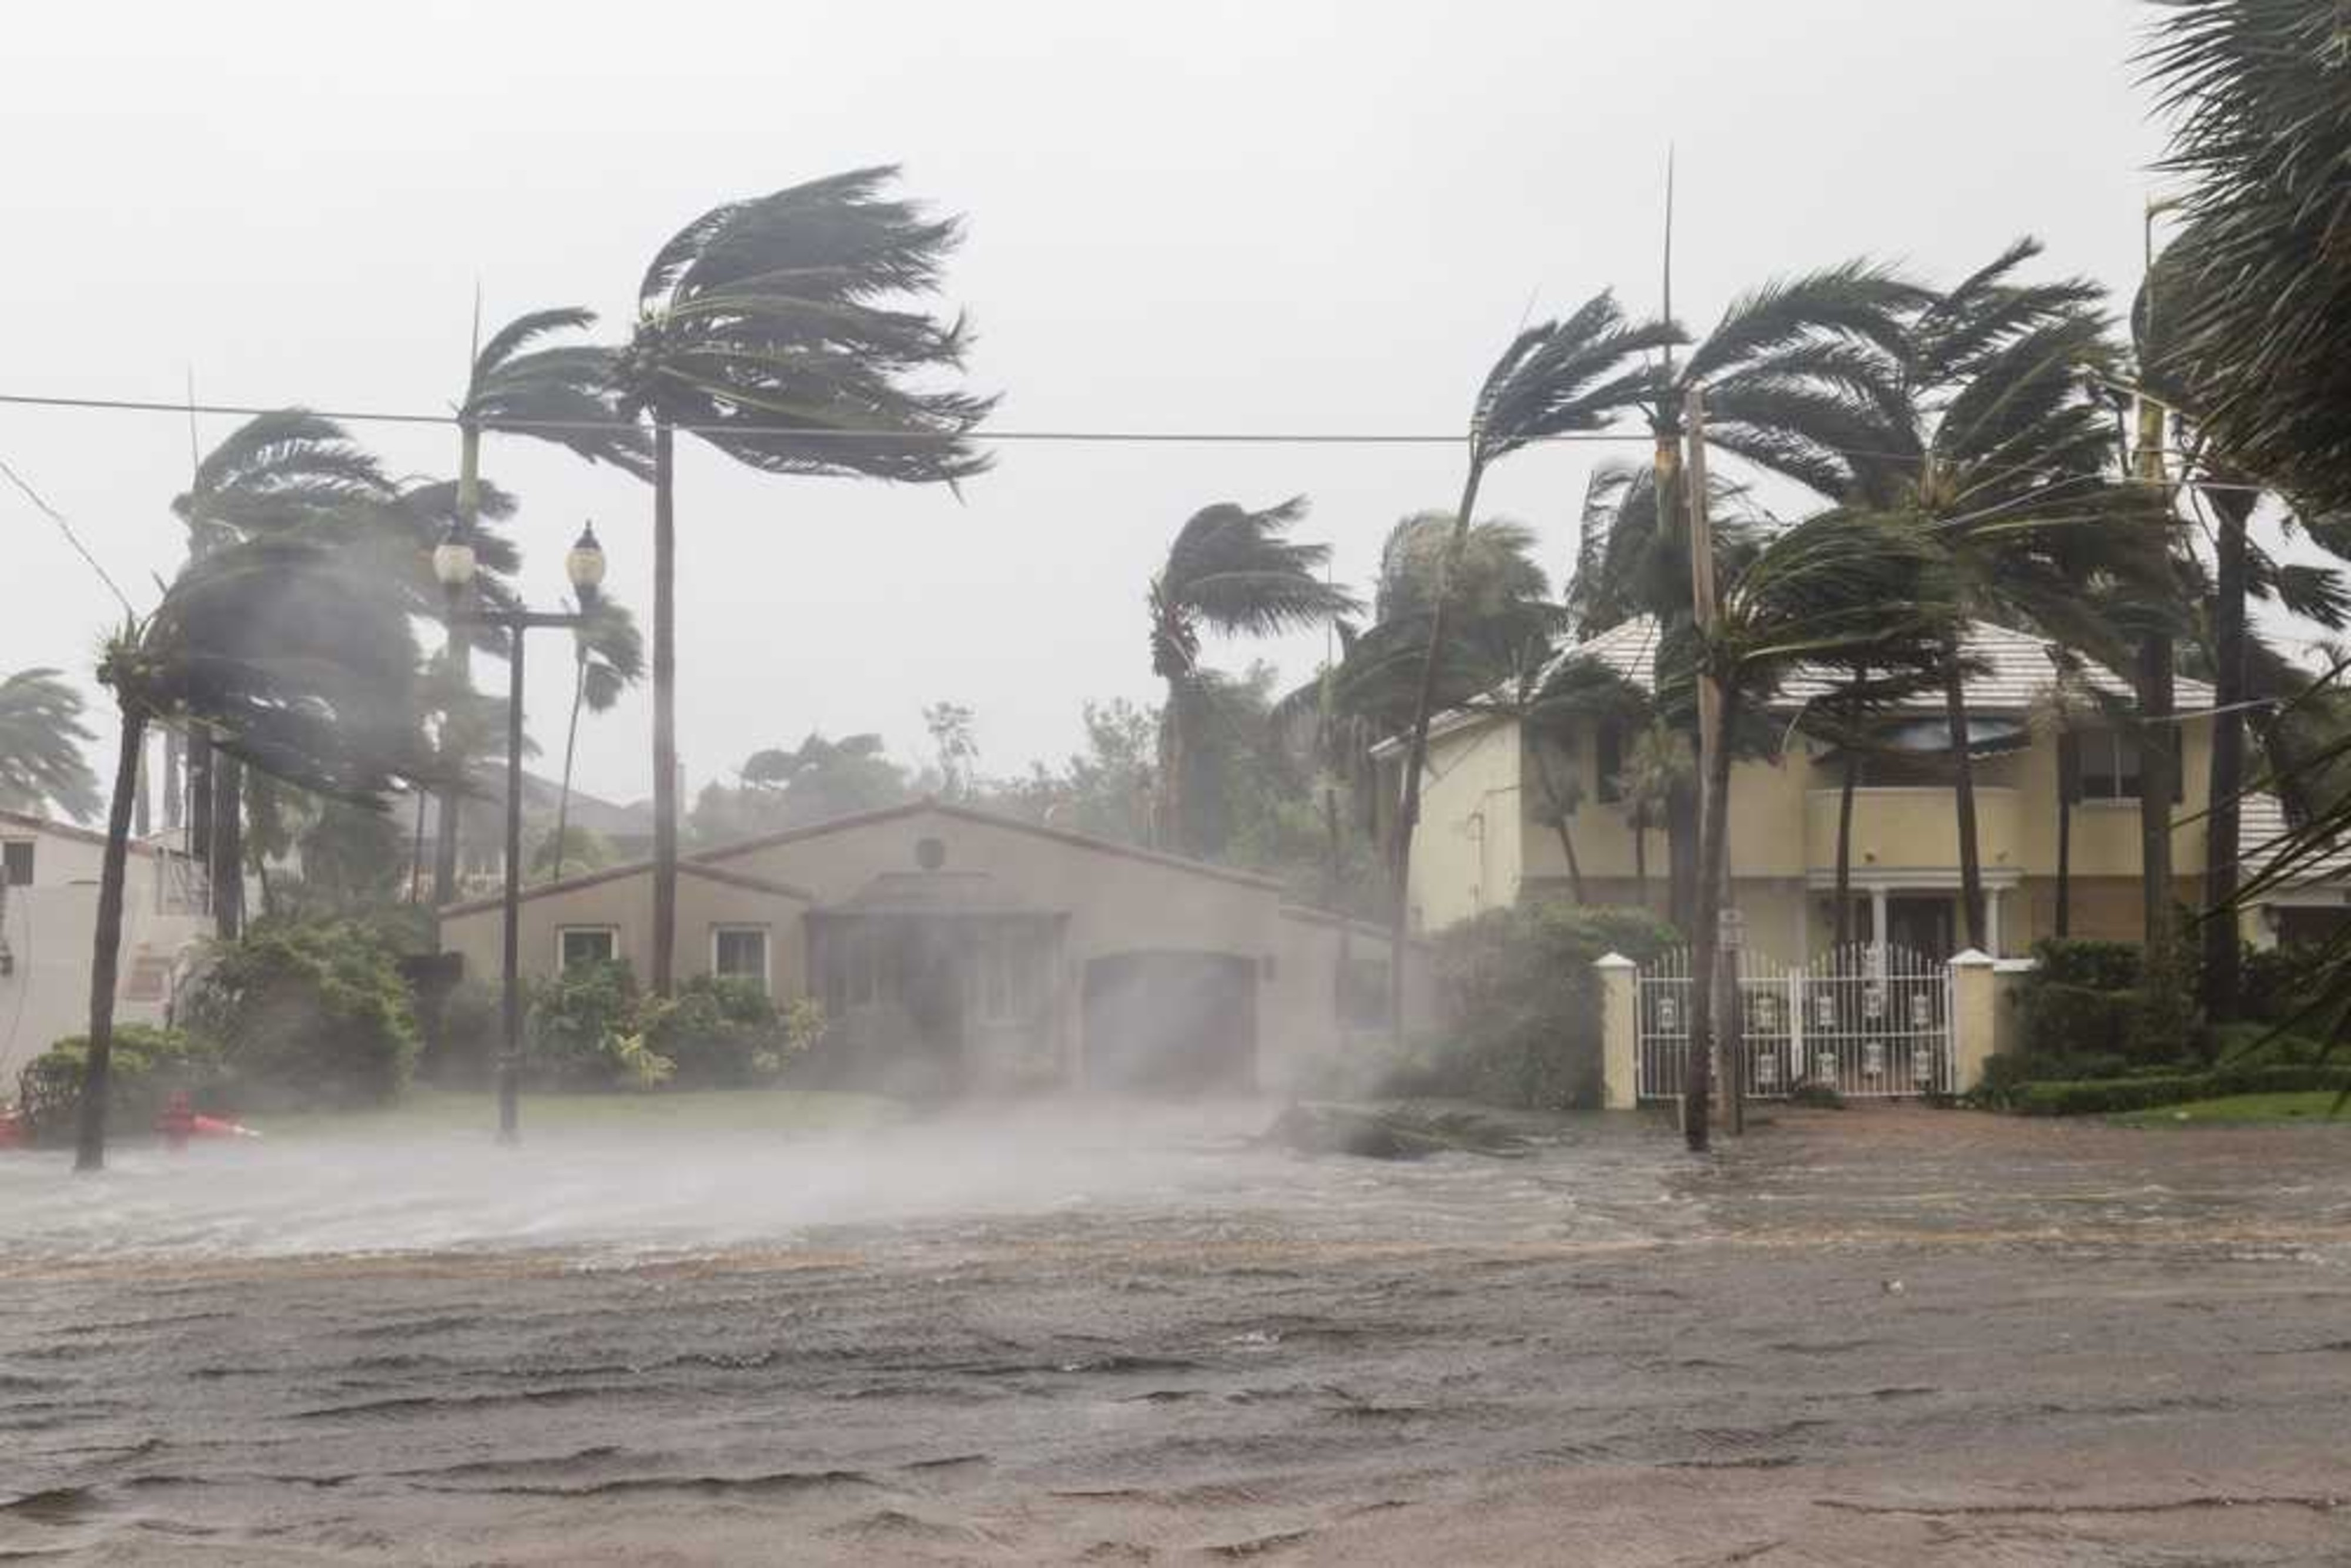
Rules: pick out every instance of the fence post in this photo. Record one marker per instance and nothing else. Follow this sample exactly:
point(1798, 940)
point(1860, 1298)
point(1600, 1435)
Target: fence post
point(1975, 1018)
point(1619, 1033)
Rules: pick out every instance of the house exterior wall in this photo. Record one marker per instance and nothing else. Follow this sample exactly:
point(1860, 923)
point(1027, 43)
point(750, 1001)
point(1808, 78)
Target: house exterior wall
point(50, 926)
point(1117, 901)
point(1783, 816)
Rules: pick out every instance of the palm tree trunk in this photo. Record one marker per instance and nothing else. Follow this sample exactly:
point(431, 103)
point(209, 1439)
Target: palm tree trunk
point(1848, 787)
point(106, 952)
point(1963, 787)
point(460, 665)
point(228, 847)
point(174, 783)
point(2157, 771)
point(1558, 805)
point(570, 749)
point(416, 853)
point(1698, 1072)
point(200, 801)
point(1683, 831)
point(2069, 784)
point(141, 818)
point(665, 708)
point(1641, 856)
point(2222, 954)
point(1416, 755)
point(1171, 765)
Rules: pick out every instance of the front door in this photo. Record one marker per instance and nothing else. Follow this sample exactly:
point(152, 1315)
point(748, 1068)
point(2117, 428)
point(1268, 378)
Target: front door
point(1924, 925)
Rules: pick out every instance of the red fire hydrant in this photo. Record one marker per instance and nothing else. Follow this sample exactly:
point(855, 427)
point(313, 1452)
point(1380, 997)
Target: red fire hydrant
point(176, 1121)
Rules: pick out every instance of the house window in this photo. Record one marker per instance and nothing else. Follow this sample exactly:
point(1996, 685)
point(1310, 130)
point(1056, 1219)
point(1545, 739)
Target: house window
point(739, 953)
point(1005, 980)
point(18, 854)
point(1608, 758)
point(587, 944)
point(2108, 767)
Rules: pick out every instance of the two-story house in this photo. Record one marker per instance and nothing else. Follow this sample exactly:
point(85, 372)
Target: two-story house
point(1486, 839)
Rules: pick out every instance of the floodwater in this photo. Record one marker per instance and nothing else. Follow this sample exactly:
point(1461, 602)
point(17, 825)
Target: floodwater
point(1090, 1334)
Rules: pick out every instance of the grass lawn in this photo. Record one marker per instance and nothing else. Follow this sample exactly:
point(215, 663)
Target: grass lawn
point(2313, 1105)
point(433, 1110)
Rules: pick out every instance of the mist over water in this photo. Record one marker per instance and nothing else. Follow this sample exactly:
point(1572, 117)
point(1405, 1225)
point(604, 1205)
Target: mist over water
point(955, 1180)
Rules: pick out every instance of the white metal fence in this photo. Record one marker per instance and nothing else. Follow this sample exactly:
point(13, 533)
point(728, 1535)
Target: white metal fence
point(1869, 1021)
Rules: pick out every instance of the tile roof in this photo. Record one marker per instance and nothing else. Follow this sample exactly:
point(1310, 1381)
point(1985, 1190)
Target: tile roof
point(2262, 824)
point(2011, 668)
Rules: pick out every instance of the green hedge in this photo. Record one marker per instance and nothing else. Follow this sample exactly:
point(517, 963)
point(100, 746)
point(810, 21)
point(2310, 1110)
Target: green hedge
point(310, 1013)
point(145, 1067)
point(2107, 1096)
point(2096, 966)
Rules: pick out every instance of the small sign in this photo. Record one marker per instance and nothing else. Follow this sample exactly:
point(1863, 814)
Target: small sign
point(1731, 924)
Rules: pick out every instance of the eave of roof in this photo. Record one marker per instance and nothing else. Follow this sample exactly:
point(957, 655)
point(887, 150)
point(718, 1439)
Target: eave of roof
point(630, 869)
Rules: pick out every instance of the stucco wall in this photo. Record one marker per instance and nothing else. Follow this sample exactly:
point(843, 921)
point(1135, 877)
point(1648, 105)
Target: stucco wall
point(627, 902)
point(1468, 852)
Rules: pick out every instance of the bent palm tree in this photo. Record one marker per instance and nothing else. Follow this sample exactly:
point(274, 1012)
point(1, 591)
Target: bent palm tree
point(1559, 378)
point(777, 329)
point(563, 394)
point(276, 476)
point(41, 736)
point(1234, 572)
point(296, 666)
point(607, 658)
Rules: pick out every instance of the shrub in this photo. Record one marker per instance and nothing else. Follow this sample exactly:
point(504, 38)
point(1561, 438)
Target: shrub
point(2146, 1091)
point(2063, 1019)
point(2095, 966)
point(1523, 1003)
point(310, 1014)
point(147, 1065)
point(582, 1033)
point(720, 1031)
point(464, 1036)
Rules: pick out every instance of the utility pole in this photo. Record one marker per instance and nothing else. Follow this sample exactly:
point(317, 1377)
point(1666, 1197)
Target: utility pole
point(1709, 1023)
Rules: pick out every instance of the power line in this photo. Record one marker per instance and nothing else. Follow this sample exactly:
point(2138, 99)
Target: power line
point(72, 537)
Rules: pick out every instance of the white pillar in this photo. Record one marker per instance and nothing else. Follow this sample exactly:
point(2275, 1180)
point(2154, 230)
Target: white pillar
point(1878, 921)
point(1620, 1043)
point(1991, 921)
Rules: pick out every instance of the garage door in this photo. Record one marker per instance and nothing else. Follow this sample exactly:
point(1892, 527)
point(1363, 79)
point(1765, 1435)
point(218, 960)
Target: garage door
point(1171, 1024)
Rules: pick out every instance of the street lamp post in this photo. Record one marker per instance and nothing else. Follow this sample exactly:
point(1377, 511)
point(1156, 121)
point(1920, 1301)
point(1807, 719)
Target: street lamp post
point(454, 564)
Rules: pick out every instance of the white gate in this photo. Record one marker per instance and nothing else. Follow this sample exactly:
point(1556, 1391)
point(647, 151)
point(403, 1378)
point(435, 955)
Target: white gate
point(1870, 1022)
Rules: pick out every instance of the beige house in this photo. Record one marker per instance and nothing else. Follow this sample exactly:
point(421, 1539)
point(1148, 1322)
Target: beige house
point(49, 921)
point(955, 948)
point(1484, 841)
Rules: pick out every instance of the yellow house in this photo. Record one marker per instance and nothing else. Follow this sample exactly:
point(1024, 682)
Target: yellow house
point(958, 948)
point(1485, 840)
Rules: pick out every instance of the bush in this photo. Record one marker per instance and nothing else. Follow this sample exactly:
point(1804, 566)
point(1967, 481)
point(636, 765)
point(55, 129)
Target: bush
point(307, 1014)
point(1523, 1004)
point(721, 1032)
point(582, 1033)
point(465, 1038)
point(146, 1066)
point(2146, 1091)
point(2094, 966)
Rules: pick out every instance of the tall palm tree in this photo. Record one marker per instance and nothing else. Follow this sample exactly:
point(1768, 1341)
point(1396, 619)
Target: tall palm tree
point(608, 657)
point(2062, 711)
point(783, 331)
point(1562, 377)
point(1838, 588)
point(276, 476)
point(563, 394)
point(41, 736)
point(291, 663)
point(1238, 573)
point(1659, 765)
point(1996, 440)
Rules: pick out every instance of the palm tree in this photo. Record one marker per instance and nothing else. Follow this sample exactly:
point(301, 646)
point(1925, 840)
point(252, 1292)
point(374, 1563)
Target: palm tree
point(2254, 89)
point(1234, 572)
point(276, 476)
point(1659, 765)
point(777, 329)
point(2062, 711)
point(291, 663)
point(41, 736)
point(1997, 442)
point(1558, 378)
point(1838, 588)
point(563, 394)
point(608, 657)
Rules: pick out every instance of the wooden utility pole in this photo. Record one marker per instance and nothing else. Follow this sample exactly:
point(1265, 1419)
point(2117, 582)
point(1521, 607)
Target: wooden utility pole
point(1708, 1064)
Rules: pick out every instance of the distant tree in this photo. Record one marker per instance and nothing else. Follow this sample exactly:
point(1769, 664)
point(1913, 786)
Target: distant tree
point(294, 665)
point(579, 849)
point(769, 327)
point(821, 778)
point(41, 736)
point(955, 746)
point(1234, 572)
point(607, 658)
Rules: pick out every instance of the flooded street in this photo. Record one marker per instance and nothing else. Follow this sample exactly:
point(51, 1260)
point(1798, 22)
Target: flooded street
point(1891, 1335)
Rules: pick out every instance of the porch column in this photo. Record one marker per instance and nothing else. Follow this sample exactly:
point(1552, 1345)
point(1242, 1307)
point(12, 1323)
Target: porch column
point(1619, 1024)
point(1991, 921)
point(1878, 922)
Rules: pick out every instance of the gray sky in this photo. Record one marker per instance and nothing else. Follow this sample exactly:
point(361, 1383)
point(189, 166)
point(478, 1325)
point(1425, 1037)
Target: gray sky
point(1304, 215)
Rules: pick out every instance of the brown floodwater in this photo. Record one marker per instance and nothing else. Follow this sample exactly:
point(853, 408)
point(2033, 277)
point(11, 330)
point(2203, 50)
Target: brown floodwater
point(1088, 1333)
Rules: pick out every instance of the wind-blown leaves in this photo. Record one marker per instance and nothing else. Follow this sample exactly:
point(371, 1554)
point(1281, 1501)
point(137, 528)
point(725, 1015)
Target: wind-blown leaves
point(41, 736)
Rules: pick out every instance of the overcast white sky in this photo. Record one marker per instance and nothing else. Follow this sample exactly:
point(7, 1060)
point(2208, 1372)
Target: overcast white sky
point(1307, 214)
